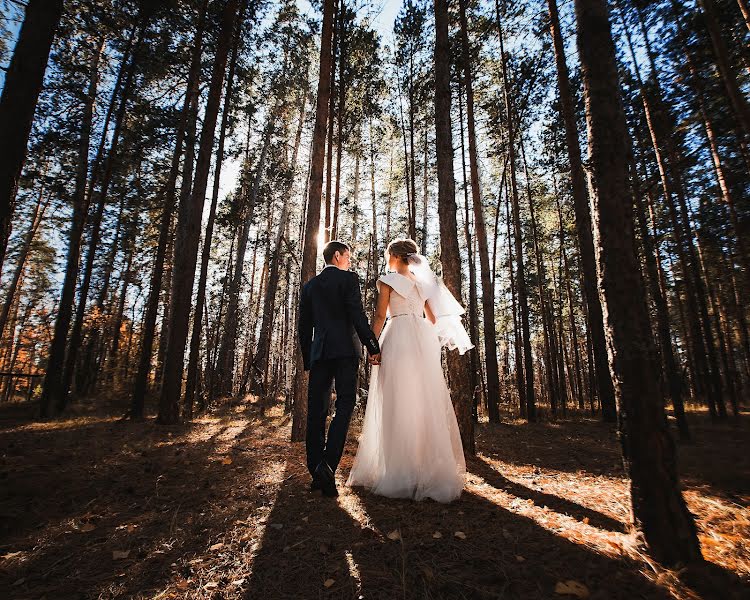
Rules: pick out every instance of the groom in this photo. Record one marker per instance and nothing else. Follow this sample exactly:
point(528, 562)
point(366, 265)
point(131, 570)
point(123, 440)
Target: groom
point(331, 325)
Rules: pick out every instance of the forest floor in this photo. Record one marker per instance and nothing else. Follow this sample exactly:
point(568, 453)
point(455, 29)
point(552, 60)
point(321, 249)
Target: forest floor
point(95, 507)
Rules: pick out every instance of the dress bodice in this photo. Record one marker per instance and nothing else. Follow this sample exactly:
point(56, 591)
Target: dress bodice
point(407, 299)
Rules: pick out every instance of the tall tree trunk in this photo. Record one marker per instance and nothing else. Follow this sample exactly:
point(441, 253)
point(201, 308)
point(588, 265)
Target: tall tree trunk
point(23, 83)
point(518, 344)
point(200, 299)
point(728, 76)
point(648, 450)
point(340, 117)
point(473, 308)
point(338, 16)
point(520, 269)
point(186, 241)
point(36, 220)
point(155, 285)
point(488, 290)
point(227, 351)
point(61, 396)
point(604, 389)
point(269, 304)
point(450, 255)
point(53, 390)
point(312, 215)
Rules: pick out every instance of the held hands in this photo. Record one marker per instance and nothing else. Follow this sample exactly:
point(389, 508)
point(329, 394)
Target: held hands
point(374, 359)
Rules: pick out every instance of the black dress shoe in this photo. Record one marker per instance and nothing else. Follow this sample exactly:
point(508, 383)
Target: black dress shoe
point(326, 479)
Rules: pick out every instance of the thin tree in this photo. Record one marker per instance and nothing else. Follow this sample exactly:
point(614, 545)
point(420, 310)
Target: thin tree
point(186, 242)
point(312, 214)
point(450, 254)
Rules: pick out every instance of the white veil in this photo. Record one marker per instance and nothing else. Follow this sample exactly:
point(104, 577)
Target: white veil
point(444, 305)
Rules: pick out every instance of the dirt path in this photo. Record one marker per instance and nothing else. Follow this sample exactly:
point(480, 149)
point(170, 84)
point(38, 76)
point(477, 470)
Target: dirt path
point(96, 508)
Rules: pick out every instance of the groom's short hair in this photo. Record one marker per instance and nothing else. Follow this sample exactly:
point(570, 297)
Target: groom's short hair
point(331, 248)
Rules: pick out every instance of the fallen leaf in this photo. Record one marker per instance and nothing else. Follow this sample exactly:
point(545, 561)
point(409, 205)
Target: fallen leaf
point(215, 547)
point(586, 520)
point(88, 527)
point(117, 554)
point(226, 461)
point(329, 582)
point(238, 581)
point(572, 588)
point(10, 555)
point(460, 535)
point(437, 535)
point(394, 535)
point(182, 584)
point(305, 519)
point(211, 585)
point(428, 572)
point(19, 581)
point(520, 558)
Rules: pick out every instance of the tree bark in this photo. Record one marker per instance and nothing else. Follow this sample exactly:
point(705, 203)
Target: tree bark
point(604, 387)
point(312, 215)
point(488, 290)
point(140, 384)
point(186, 241)
point(54, 392)
point(200, 299)
point(648, 450)
point(450, 255)
point(520, 269)
point(23, 83)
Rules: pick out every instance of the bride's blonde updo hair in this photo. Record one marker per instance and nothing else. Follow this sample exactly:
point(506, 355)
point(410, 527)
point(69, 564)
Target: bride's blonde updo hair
point(402, 249)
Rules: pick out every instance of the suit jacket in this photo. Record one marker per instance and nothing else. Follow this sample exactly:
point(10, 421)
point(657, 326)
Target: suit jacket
point(332, 322)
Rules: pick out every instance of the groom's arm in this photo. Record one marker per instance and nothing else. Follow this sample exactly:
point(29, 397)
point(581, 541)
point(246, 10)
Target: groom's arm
point(353, 304)
point(305, 327)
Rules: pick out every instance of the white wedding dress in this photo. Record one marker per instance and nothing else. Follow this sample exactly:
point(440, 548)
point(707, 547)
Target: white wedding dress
point(410, 446)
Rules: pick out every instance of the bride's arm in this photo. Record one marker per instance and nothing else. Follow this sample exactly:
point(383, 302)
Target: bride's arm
point(429, 313)
point(381, 309)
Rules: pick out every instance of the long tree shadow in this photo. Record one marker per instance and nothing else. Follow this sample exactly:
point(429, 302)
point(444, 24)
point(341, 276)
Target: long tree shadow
point(366, 546)
point(483, 469)
point(716, 460)
point(120, 509)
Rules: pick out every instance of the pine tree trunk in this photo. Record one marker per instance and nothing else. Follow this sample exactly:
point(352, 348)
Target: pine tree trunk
point(488, 290)
point(520, 269)
point(473, 304)
point(140, 385)
point(450, 255)
point(21, 88)
point(269, 304)
point(728, 76)
point(54, 393)
point(186, 241)
point(13, 287)
point(338, 16)
point(200, 299)
point(312, 216)
point(648, 450)
point(339, 119)
point(61, 395)
point(604, 389)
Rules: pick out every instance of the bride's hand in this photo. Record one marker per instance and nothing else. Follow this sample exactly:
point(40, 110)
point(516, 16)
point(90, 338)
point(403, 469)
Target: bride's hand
point(374, 360)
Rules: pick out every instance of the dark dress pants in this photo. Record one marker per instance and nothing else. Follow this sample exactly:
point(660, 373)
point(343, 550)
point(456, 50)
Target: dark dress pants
point(323, 373)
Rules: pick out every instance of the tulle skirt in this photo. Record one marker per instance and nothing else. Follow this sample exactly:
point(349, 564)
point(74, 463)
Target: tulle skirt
point(410, 446)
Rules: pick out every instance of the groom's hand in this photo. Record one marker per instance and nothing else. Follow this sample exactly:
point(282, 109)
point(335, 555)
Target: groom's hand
point(374, 359)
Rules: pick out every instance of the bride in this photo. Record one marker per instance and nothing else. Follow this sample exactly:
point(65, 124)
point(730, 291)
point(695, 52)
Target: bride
point(410, 445)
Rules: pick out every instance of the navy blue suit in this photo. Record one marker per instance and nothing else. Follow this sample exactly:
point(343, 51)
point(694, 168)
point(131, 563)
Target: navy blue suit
point(332, 329)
